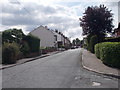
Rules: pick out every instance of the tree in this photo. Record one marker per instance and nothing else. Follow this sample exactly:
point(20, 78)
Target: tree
point(74, 42)
point(77, 42)
point(97, 21)
point(12, 35)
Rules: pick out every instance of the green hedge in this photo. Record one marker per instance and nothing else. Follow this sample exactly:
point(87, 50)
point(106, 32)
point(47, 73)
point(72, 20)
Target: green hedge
point(112, 39)
point(93, 41)
point(33, 42)
point(25, 49)
point(10, 51)
point(109, 53)
point(88, 41)
point(97, 50)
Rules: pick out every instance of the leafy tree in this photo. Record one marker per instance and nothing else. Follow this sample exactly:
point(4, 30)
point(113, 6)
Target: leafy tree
point(97, 21)
point(74, 42)
point(77, 42)
point(12, 35)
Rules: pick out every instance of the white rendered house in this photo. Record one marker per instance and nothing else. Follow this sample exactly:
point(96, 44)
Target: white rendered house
point(45, 35)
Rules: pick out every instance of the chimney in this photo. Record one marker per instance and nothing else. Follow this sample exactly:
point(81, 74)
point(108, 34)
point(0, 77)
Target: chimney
point(46, 27)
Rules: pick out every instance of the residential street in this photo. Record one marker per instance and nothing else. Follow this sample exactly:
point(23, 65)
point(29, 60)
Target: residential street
point(62, 70)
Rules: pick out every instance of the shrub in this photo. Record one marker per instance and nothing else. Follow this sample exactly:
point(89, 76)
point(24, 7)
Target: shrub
point(10, 51)
point(93, 41)
point(25, 49)
point(112, 39)
point(33, 42)
point(97, 49)
point(97, 52)
point(109, 53)
point(88, 41)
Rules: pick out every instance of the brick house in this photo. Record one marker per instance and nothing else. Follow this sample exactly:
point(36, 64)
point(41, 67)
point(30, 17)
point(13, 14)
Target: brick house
point(117, 31)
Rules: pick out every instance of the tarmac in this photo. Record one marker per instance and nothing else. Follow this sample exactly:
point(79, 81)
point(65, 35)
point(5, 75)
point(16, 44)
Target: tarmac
point(89, 62)
point(22, 61)
point(92, 63)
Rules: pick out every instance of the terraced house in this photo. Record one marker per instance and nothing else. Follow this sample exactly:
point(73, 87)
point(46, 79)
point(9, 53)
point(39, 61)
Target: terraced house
point(45, 35)
point(50, 38)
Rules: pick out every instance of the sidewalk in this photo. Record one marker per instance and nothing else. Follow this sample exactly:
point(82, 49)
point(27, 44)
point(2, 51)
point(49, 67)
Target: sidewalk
point(21, 61)
point(92, 63)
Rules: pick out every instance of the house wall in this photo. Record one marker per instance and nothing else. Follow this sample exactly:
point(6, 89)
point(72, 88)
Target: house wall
point(58, 35)
point(46, 36)
point(63, 40)
point(118, 33)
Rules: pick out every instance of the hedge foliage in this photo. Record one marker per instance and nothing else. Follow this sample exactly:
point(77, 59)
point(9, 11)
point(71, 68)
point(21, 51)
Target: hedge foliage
point(10, 51)
point(33, 42)
point(112, 39)
point(109, 53)
point(97, 50)
point(93, 41)
point(25, 49)
point(88, 41)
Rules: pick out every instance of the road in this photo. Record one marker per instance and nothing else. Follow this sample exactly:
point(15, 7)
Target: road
point(62, 70)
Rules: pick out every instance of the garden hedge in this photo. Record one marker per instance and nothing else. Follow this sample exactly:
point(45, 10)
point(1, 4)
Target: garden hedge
point(93, 41)
point(25, 49)
point(112, 39)
point(33, 42)
point(10, 51)
point(109, 53)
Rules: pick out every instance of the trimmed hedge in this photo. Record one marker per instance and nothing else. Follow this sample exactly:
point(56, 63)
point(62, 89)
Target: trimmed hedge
point(33, 42)
point(25, 49)
point(10, 51)
point(88, 41)
point(109, 53)
point(93, 41)
point(97, 50)
point(112, 39)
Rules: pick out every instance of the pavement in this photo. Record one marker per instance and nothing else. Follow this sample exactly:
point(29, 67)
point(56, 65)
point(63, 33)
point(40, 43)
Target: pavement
point(92, 63)
point(24, 60)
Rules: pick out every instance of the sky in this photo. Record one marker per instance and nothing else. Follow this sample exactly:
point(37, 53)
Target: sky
point(55, 14)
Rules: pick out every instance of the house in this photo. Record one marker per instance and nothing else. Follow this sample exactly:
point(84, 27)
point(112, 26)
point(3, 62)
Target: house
point(117, 31)
point(46, 36)
point(67, 43)
point(50, 38)
point(61, 40)
point(58, 41)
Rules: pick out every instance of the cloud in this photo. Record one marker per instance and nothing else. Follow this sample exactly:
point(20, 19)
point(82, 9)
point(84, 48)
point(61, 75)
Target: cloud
point(56, 14)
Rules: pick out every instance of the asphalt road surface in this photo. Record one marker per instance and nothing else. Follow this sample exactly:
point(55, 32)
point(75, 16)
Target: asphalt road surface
point(62, 70)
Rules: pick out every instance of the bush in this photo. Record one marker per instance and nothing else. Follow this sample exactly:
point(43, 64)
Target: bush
point(109, 53)
point(93, 41)
point(88, 41)
point(33, 42)
point(97, 52)
point(25, 49)
point(10, 51)
point(112, 39)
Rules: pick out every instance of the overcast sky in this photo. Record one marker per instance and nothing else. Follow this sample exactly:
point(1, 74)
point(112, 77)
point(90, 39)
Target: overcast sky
point(56, 14)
